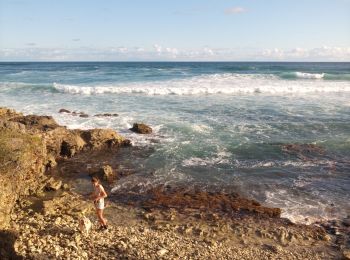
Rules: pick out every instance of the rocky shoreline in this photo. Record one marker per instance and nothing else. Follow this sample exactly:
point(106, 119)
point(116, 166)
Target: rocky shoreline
point(41, 207)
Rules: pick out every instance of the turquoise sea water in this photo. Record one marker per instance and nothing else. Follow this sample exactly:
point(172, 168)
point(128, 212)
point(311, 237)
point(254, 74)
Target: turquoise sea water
point(218, 125)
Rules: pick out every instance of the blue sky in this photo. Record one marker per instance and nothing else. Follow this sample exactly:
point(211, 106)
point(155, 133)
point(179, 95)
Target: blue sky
point(175, 30)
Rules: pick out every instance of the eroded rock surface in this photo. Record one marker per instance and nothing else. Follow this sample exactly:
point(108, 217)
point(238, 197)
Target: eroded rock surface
point(29, 145)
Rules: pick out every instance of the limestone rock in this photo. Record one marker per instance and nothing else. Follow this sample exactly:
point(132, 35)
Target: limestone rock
point(346, 254)
point(53, 184)
point(108, 173)
point(141, 128)
point(42, 123)
point(162, 252)
point(100, 138)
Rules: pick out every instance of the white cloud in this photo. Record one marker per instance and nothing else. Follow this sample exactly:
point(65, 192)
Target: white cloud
point(325, 53)
point(158, 52)
point(158, 48)
point(235, 10)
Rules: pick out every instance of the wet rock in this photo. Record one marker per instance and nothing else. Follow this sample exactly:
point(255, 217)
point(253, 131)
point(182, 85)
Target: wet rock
point(346, 222)
point(83, 115)
point(107, 115)
point(303, 151)
point(141, 128)
point(183, 198)
point(62, 110)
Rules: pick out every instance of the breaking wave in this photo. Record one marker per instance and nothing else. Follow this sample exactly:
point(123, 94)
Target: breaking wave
point(213, 84)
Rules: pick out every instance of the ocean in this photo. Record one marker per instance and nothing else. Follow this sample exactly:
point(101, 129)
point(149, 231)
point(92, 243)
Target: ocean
point(228, 126)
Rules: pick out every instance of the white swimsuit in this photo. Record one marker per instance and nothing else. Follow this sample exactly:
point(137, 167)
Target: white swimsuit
point(100, 204)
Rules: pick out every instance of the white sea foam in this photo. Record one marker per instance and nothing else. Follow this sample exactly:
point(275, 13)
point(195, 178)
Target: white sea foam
point(222, 157)
point(304, 75)
point(215, 84)
point(302, 210)
point(281, 163)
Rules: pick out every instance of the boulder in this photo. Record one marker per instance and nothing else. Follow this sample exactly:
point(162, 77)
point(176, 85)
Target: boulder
point(108, 173)
point(101, 138)
point(141, 128)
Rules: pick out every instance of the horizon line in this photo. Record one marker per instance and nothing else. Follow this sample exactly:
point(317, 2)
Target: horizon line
point(169, 61)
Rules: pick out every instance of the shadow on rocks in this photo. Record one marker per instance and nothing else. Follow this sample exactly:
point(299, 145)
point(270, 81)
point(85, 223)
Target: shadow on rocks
point(7, 241)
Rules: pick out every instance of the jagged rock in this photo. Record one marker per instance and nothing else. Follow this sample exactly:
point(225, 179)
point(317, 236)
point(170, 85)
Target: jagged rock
point(162, 252)
point(141, 128)
point(30, 145)
point(42, 123)
point(71, 146)
point(23, 159)
point(346, 254)
point(62, 110)
point(12, 125)
point(53, 184)
point(6, 113)
point(98, 138)
point(106, 173)
point(272, 248)
point(51, 162)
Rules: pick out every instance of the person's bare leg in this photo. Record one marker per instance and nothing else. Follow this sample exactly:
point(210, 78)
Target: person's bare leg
point(100, 216)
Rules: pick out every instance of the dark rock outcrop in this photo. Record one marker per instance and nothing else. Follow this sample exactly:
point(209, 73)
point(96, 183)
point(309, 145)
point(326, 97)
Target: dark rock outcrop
point(141, 128)
point(303, 151)
point(181, 198)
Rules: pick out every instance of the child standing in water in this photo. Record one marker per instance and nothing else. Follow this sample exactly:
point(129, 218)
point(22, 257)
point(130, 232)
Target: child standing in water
point(98, 197)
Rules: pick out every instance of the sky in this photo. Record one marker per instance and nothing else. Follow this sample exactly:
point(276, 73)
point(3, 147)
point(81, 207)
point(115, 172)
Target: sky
point(177, 30)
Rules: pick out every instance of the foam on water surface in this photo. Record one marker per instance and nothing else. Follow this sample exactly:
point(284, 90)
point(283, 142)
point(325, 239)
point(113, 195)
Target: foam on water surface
point(215, 124)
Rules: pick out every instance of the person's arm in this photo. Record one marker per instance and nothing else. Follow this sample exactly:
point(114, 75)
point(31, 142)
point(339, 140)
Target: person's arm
point(102, 193)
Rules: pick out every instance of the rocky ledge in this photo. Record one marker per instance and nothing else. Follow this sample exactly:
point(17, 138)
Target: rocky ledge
point(30, 145)
point(40, 209)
